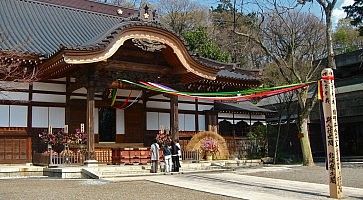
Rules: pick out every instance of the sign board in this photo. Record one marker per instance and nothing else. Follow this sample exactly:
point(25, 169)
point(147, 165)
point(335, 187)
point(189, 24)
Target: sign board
point(332, 134)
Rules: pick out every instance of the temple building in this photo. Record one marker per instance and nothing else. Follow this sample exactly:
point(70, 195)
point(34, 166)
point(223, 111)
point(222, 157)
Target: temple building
point(67, 55)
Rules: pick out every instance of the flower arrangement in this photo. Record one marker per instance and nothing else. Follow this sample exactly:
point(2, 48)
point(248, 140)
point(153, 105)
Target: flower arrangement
point(78, 137)
point(59, 137)
point(209, 145)
point(163, 137)
point(52, 138)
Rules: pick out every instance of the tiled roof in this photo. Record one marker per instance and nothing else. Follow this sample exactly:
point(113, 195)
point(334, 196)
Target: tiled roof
point(238, 74)
point(94, 6)
point(41, 28)
point(241, 106)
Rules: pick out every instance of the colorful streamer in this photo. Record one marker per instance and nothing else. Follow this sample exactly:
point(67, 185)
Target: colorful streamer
point(244, 95)
point(113, 96)
point(125, 102)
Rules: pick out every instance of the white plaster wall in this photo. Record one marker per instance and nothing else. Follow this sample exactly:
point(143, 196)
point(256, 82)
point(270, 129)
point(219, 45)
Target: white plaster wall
point(241, 116)
point(160, 96)
point(227, 115)
point(152, 121)
point(155, 104)
point(189, 122)
point(181, 119)
point(78, 97)
point(258, 116)
point(14, 85)
point(181, 98)
point(164, 120)
point(49, 87)
point(12, 96)
point(204, 107)
point(49, 98)
point(185, 106)
point(126, 93)
point(4, 116)
point(95, 120)
point(120, 121)
point(201, 122)
point(18, 116)
point(40, 117)
point(57, 117)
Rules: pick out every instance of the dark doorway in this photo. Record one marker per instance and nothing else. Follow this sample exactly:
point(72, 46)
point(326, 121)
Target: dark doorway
point(107, 124)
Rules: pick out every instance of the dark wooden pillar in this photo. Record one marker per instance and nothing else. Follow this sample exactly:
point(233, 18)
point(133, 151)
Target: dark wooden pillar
point(212, 120)
point(174, 117)
point(68, 105)
point(89, 116)
point(196, 116)
point(30, 110)
point(144, 107)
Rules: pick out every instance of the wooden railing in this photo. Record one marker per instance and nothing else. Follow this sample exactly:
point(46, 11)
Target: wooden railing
point(191, 155)
point(241, 146)
point(103, 155)
point(46, 160)
point(128, 156)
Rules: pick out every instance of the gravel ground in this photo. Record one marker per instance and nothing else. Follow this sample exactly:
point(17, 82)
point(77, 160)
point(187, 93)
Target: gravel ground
point(352, 174)
point(58, 189)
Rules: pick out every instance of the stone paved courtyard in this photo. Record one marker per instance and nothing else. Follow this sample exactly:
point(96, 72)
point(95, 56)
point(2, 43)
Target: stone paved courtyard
point(277, 182)
point(352, 174)
point(39, 189)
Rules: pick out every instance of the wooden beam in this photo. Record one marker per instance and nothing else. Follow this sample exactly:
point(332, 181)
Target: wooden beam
point(136, 67)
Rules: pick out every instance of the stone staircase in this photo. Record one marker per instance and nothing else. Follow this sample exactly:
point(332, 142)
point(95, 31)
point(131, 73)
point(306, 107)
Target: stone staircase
point(114, 171)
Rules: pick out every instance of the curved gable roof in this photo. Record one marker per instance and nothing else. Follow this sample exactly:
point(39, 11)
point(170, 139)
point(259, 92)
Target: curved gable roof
point(35, 27)
point(49, 30)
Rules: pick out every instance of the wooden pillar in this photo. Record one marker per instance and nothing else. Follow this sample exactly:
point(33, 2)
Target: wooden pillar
point(212, 121)
point(91, 158)
point(144, 101)
point(68, 98)
point(30, 109)
point(29, 124)
point(90, 123)
point(174, 117)
point(331, 131)
point(196, 116)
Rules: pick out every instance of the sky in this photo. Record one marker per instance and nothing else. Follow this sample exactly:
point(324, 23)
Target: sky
point(338, 12)
point(314, 7)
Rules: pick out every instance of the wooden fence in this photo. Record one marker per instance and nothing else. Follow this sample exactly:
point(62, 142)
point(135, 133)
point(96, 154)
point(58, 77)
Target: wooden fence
point(127, 156)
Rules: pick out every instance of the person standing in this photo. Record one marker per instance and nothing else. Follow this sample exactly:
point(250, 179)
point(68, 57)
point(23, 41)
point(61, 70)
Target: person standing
point(179, 151)
point(167, 157)
point(175, 156)
point(154, 151)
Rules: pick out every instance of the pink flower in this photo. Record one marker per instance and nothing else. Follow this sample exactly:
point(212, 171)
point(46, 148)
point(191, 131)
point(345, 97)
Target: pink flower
point(209, 145)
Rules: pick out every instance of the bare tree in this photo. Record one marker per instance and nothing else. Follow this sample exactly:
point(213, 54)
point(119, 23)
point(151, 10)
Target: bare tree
point(122, 3)
point(292, 41)
point(327, 6)
point(182, 15)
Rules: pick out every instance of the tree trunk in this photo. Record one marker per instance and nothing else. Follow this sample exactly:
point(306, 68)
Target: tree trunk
point(305, 143)
point(303, 128)
point(329, 40)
